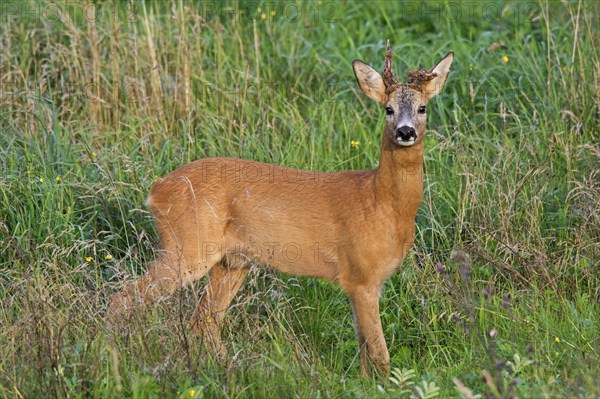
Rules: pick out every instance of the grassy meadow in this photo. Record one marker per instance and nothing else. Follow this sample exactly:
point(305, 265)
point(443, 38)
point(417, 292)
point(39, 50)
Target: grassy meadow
point(500, 296)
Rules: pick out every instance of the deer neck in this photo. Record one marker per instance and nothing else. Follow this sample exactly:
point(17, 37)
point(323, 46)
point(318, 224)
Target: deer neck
point(398, 181)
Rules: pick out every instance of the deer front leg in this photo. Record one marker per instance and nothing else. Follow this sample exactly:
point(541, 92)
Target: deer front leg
point(369, 332)
point(362, 346)
point(223, 284)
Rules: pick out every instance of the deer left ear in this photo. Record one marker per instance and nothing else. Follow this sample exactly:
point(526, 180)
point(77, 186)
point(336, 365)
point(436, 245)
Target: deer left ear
point(434, 86)
point(370, 81)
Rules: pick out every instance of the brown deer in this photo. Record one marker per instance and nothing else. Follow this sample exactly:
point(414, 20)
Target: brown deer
point(218, 216)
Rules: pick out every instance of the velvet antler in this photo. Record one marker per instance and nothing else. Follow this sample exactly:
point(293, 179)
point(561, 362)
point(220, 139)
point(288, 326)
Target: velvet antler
point(419, 77)
point(389, 80)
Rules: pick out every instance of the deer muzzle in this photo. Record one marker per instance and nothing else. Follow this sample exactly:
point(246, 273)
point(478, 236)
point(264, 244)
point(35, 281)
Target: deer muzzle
point(406, 135)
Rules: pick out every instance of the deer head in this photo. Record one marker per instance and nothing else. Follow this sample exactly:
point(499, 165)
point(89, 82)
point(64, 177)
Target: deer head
point(405, 104)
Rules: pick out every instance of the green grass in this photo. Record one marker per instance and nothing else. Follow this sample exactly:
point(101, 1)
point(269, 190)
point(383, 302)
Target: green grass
point(110, 103)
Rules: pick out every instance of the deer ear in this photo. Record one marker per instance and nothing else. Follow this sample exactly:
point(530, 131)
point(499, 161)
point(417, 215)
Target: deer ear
point(434, 86)
point(370, 81)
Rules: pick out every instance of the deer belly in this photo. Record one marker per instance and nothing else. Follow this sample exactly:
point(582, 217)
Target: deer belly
point(293, 254)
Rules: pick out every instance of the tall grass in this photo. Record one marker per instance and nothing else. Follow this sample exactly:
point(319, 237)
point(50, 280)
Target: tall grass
point(500, 294)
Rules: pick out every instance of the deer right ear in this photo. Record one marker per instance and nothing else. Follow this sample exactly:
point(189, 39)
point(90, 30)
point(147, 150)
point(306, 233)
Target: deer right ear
point(370, 81)
point(433, 87)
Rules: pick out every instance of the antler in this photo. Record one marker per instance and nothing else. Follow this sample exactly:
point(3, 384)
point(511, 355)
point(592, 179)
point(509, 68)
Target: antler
point(420, 76)
point(388, 76)
point(416, 79)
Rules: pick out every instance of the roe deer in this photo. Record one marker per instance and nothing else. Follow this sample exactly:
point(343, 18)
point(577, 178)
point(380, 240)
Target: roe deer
point(217, 216)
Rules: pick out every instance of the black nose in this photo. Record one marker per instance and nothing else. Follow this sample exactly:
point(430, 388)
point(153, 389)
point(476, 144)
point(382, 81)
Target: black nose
point(406, 133)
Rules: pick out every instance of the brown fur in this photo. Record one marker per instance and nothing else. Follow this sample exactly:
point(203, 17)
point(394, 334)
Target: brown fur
point(217, 216)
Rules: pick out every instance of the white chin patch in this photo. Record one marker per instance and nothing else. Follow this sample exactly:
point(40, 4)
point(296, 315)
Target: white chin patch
point(407, 143)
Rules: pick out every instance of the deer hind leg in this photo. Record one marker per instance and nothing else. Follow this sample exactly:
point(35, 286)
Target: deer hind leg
point(166, 274)
point(223, 284)
point(367, 322)
point(176, 267)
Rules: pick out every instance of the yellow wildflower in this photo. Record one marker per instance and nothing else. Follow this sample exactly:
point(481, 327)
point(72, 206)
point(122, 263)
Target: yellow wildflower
point(505, 59)
point(557, 340)
point(88, 259)
point(208, 319)
point(58, 179)
point(263, 16)
point(273, 13)
point(41, 179)
point(94, 154)
point(355, 143)
point(108, 257)
point(192, 393)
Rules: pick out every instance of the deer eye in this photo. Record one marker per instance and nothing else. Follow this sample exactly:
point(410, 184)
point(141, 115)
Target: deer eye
point(422, 109)
point(389, 111)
